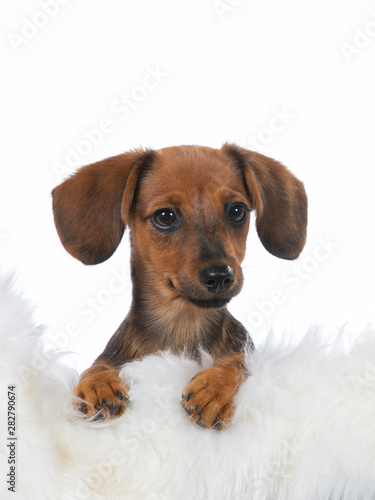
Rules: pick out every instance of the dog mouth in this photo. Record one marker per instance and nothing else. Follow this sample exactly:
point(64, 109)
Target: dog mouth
point(211, 303)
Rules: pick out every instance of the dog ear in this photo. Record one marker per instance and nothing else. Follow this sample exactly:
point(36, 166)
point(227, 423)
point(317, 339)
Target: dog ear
point(91, 208)
point(279, 199)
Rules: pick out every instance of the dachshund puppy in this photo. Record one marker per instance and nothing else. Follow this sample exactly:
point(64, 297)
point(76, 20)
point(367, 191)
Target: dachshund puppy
point(187, 209)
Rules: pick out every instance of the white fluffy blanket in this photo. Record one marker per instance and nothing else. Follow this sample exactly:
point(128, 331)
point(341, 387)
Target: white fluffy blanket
point(304, 427)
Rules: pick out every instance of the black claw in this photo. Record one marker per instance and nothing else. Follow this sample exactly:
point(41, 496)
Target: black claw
point(188, 410)
point(98, 406)
point(113, 409)
point(104, 402)
point(186, 397)
point(122, 396)
point(201, 424)
point(217, 424)
point(83, 409)
point(98, 416)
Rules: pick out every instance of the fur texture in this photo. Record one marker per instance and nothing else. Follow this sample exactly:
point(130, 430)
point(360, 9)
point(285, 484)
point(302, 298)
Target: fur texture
point(187, 209)
point(304, 427)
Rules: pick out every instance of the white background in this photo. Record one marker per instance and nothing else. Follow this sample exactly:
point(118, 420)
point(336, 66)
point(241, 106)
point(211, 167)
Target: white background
point(227, 73)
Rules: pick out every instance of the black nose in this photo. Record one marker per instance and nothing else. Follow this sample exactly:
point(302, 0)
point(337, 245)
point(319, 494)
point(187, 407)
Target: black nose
point(216, 279)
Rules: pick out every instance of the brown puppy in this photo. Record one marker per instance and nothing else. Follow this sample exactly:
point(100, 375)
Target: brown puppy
point(187, 209)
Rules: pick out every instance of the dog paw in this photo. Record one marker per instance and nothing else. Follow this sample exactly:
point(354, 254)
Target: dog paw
point(102, 395)
point(209, 398)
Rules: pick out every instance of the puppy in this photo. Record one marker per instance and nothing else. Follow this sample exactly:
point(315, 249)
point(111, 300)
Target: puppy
point(187, 209)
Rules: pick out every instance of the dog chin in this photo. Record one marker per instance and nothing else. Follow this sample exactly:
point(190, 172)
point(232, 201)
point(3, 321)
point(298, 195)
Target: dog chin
point(214, 303)
point(209, 304)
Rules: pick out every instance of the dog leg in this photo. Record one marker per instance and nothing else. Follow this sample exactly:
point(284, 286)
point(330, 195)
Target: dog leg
point(102, 393)
point(209, 398)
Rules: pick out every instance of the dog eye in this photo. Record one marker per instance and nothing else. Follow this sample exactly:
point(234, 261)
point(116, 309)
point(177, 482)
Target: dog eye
point(237, 213)
point(164, 218)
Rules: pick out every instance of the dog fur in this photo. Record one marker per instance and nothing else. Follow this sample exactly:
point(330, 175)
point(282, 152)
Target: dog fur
point(303, 428)
point(184, 272)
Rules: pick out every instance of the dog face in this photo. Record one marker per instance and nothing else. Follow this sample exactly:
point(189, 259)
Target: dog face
point(189, 222)
point(188, 211)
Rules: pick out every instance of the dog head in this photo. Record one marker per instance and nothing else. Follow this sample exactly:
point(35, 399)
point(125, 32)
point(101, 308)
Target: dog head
point(188, 211)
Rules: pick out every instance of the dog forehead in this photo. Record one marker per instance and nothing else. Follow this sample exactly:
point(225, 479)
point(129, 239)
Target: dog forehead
point(191, 171)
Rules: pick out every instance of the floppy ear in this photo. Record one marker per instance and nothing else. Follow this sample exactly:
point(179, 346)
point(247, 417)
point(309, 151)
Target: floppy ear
point(91, 208)
point(279, 199)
